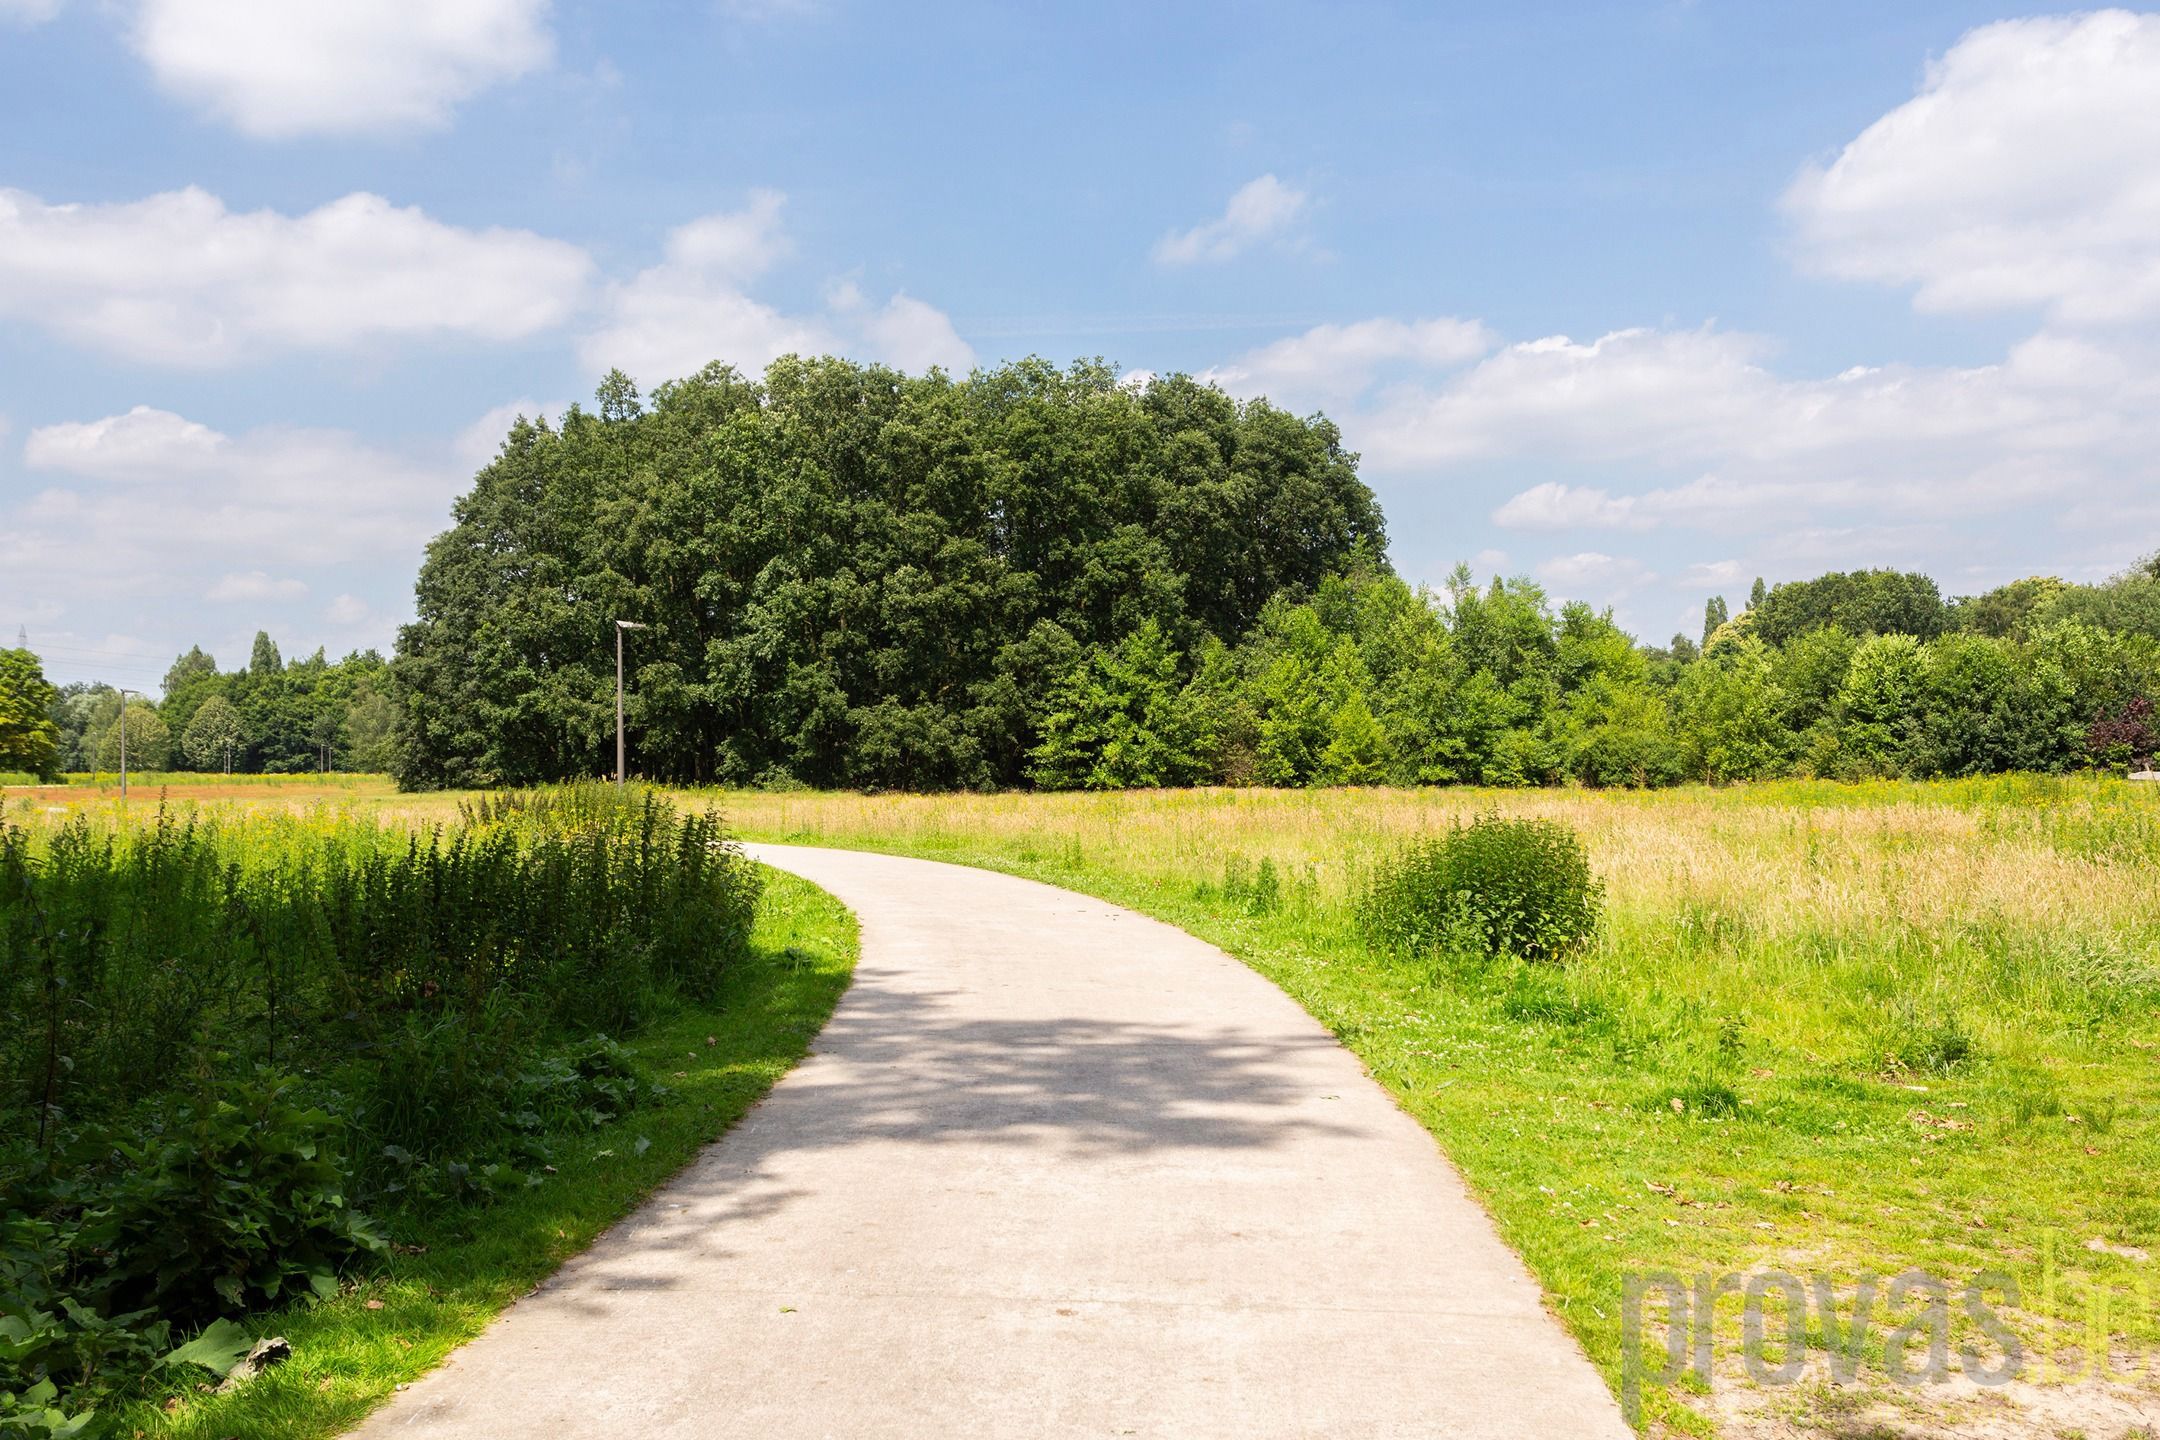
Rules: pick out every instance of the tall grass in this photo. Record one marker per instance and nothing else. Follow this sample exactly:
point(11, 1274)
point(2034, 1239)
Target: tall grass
point(125, 953)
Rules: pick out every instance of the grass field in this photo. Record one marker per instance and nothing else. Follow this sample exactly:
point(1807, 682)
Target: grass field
point(1840, 1031)
point(1831, 1030)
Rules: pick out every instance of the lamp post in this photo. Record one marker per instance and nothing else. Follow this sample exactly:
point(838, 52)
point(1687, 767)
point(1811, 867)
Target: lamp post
point(124, 693)
point(620, 626)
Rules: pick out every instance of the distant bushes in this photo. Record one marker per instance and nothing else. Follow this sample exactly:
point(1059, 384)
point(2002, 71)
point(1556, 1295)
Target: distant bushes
point(1494, 887)
point(220, 1041)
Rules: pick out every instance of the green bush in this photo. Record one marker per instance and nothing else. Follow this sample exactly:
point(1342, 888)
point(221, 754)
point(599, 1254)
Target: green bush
point(1495, 887)
point(114, 1240)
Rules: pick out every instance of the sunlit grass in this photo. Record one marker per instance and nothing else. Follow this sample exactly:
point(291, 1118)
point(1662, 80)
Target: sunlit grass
point(1908, 1024)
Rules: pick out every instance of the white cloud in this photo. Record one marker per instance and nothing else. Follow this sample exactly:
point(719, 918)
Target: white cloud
point(476, 445)
point(1262, 209)
point(143, 444)
point(1554, 506)
point(672, 319)
point(254, 585)
point(177, 279)
point(28, 12)
point(1704, 400)
point(1594, 573)
point(147, 519)
point(277, 68)
point(1489, 562)
point(2025, 173)
point(733, 245)
point(1330, 361)
point(913, 336)
point(154, 516)
point(1710, 575)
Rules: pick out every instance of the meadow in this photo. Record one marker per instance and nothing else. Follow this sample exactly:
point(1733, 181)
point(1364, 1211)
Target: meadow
point(351, 1080)
point(1832, 1030)
point(1838, 1030)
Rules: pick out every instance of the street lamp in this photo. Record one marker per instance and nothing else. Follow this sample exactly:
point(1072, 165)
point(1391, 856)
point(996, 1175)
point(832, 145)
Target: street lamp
point(620, 626)
point(124, 693)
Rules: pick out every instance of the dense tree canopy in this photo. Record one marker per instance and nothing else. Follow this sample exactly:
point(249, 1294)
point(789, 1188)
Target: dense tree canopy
point(312, 713)
point(852, 576)
point(29, 739)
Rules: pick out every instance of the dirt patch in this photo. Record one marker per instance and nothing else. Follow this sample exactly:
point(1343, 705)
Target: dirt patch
point(1958, 1408)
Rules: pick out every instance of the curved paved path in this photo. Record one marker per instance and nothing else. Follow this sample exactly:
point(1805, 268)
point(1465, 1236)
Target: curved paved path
point(1053, 1169)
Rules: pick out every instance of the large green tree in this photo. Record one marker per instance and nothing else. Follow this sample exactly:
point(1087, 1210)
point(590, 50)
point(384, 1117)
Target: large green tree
point(29, 737)
point(851, 576)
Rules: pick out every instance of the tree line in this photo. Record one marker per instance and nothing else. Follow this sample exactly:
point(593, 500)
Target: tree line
point(1047, 577)
point(1847, 676)
point(1033, 576)
point(851, 577)
point(272, 716)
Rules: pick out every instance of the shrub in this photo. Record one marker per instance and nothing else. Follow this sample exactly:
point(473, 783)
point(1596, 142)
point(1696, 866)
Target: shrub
point(1495, 886)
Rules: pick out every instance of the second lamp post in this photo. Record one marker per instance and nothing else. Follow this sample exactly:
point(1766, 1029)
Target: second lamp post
point(620, 626)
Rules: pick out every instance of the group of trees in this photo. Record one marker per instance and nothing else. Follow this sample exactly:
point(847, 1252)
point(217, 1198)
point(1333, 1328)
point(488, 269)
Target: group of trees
point(1033, 576)
point(853, 577)
point(271, 716)
point(1850, 675)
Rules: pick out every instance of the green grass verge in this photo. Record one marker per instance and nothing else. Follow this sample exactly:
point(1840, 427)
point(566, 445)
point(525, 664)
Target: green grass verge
point(453, 1275)
point(1553, 1091)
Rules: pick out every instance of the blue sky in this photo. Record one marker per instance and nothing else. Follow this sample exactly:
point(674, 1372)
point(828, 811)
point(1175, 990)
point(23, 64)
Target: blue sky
point(1639, 299)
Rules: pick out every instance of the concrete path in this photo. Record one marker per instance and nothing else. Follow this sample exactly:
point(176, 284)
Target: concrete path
point(1054, 1169)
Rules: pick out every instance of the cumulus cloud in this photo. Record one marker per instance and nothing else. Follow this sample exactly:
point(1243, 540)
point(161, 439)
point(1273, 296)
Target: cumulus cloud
point(1556, 506)
point(1711, 575)
point(915, 336)
point(276, 69)
point(145, 517)
point(254, 585)
point(1330, 361)
point(673, 318)
point(347, 611)
point(177, 279)
point(143, 444)
point(477, 444)
point(1594, 574)
point(277, 497)
point(1706, 400)
point(2025, 173)
point(1262, 209)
